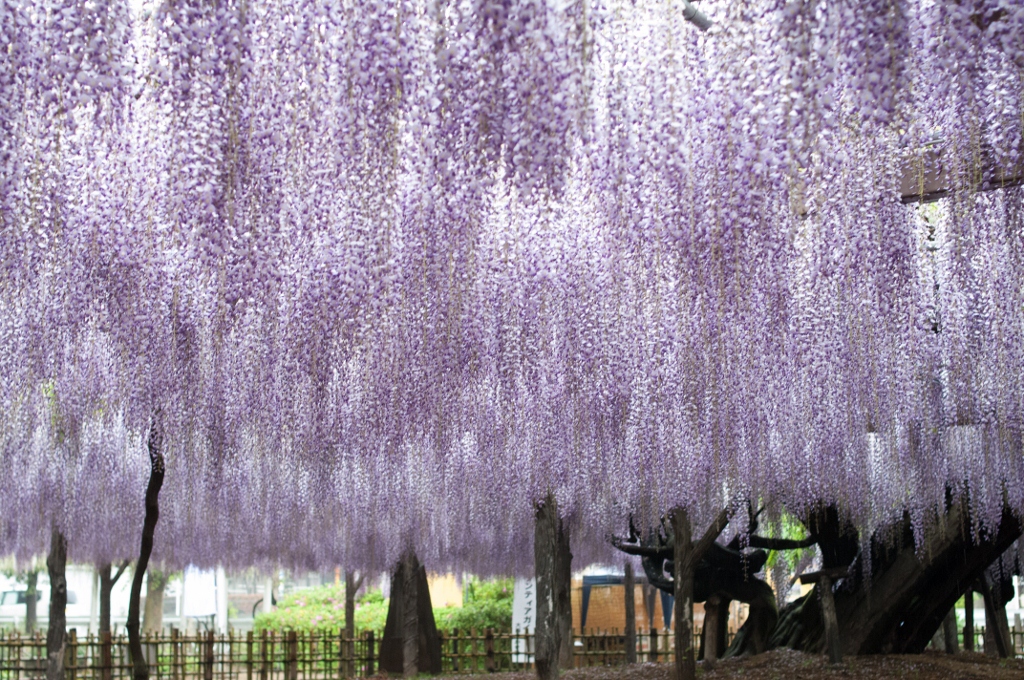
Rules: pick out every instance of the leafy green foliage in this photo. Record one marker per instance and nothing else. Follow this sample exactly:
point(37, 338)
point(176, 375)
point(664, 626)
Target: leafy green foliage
point(495, 590)
point(488, 604)
point(371, 611)
point(323, 609)
point(791, 528)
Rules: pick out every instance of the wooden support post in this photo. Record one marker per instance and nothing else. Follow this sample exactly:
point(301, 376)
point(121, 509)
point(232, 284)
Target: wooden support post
point(175, 655)
point(712, 613)
point(248, 656)
point(490, 664)
point(230, 670)
point(996, 624)
point(208, 656)
point(264, 660)
point(653, 654)
point(345, 659)
point(106, 660)
point(369, 654)
point(291, 668)
point(824, 579)
point(310, 650)
point(949, 632)
point(828, 612)
point(685, 566)
point(455, 649)
point(71, 656)
point(969, 620)
point(685, 558)
point(630, 592)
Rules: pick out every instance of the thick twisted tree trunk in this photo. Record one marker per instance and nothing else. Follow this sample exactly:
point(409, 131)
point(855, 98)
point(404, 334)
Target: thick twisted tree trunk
point(903, 603)
point(410, 617)
point(140, 669)
point(563, 595)
point(352, 585)
point(411, 643)
point(547, 635)
point(56, 564)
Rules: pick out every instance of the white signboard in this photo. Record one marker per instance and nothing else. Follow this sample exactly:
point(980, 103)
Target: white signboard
point(524, 618)
point(200, 593)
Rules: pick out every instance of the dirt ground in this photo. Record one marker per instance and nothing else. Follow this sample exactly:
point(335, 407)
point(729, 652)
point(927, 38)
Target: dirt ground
point(785, 664)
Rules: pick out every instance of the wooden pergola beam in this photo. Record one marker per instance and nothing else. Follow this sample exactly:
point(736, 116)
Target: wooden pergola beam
point(926, 178)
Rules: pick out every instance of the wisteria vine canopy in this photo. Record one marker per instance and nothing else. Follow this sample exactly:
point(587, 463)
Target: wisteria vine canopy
point(391, 271)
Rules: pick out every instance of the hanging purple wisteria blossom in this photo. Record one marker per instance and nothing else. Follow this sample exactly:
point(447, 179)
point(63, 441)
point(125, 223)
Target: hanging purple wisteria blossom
point(394, 271)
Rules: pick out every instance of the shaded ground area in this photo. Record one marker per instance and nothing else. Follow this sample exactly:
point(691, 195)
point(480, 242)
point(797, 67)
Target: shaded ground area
point(783, 664)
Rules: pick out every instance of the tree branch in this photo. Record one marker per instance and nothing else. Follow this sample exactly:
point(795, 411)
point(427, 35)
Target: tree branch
point(641, 550)
point(120, 570)
point(713, 532)
point(780, 543)
point(140, 668)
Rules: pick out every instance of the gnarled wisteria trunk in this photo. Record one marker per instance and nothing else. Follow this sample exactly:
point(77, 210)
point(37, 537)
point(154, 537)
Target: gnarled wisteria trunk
point(899, 606)
point(892, 599)
point(552, 563)
point(56, 564)
point(140, 667)
point(411, 644)
point(352, 586)
point(563, 594)
point(409, 620)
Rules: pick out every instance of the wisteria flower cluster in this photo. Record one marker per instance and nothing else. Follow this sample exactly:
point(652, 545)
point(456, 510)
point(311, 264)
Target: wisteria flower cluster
point(392, 271)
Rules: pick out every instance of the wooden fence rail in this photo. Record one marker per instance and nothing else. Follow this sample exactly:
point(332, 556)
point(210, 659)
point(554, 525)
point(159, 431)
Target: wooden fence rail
point(292, 655)
point(1016, 639)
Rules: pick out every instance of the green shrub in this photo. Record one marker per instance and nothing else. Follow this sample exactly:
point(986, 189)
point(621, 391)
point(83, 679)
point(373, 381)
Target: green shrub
point(488, 604)
point(479, 615)
point(371, 612)
point(323, 610)
point(495, 590)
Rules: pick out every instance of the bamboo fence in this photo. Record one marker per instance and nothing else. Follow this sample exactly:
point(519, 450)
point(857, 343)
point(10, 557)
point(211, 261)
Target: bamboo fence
point(291, 655)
